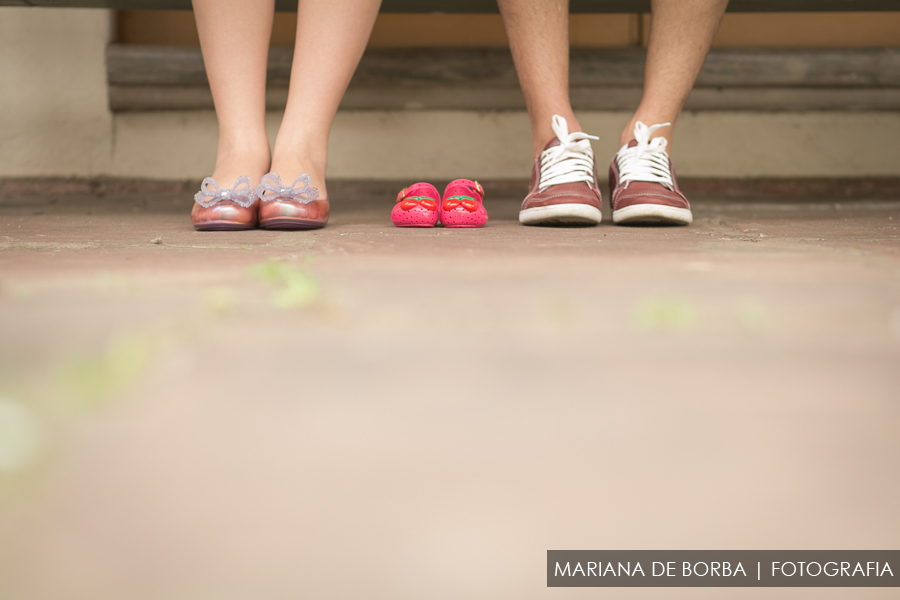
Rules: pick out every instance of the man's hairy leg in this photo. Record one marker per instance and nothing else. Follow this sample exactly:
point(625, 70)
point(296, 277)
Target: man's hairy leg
point(538, 32)
point(681, 33)
point(643, 185)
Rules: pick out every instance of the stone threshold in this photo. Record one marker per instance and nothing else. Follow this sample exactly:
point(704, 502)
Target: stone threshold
point(17, 190)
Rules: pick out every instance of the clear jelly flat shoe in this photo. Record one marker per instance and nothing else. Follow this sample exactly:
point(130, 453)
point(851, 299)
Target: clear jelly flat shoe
point(217, 209)
point(294, 207)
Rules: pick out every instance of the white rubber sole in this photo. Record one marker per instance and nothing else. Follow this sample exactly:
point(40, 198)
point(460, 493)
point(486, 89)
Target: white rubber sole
point(560, 214)
point(653, 213)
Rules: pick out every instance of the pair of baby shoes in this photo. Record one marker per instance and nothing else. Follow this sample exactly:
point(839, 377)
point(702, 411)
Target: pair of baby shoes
point(420, 205)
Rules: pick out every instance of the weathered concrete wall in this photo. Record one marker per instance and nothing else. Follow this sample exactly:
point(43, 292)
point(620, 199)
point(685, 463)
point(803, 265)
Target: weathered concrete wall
point(53, 109)
point(497, 145)
point(54, 121)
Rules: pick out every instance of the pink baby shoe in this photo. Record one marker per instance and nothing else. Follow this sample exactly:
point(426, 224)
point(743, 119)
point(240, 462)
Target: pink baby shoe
point(462, 204)
point(417, 206)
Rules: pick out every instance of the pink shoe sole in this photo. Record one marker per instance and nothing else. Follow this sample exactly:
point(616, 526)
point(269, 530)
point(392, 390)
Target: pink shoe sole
point(462, 218)
point(462, 205)
point(417, 206)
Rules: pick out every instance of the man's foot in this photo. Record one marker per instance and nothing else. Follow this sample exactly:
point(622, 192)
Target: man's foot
point(642, 182)
point(563, 188)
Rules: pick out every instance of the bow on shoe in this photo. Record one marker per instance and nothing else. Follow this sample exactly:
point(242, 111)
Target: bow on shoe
point(272, 183)
point(410, 202)
point(465, 201)
point(210, 193)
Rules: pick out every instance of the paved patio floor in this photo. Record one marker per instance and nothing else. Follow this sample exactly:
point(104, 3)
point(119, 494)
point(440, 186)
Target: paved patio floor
point(372, 412)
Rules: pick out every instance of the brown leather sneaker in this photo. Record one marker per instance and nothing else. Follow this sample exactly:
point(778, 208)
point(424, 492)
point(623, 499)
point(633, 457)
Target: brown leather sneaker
point(563, 188)
point(642, 183)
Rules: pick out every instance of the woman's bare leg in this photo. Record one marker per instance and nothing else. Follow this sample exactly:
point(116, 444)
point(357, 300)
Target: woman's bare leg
point(681, 34)
point(234, 37)
point(331, 38)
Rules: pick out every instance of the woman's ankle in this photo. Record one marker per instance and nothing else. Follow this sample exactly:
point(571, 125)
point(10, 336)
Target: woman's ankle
point(239, 160)
point(290, 165)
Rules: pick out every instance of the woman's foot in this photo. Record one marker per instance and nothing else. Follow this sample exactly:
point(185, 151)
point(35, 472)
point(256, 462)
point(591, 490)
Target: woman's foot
point(294, 196)
point(290, 165)
point(227, 200)
point(218, 208)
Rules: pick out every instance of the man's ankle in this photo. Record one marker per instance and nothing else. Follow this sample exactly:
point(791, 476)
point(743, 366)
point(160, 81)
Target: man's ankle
point(628, 133)
point(542, 131)
point(626, 139)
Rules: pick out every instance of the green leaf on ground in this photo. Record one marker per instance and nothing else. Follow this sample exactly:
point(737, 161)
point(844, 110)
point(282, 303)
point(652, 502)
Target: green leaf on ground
point(20, 436)
point(667, 314)
point(93, 379)
point(292, 287)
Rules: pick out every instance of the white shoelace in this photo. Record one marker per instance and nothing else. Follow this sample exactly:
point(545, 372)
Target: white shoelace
point(648, 161)
point(569, 162)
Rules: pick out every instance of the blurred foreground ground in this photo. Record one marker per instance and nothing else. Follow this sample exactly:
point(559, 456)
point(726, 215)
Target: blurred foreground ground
point(370, 412)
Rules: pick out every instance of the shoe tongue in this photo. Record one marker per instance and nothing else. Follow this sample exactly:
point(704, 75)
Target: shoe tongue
point(554, 142)
point(632, 143)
